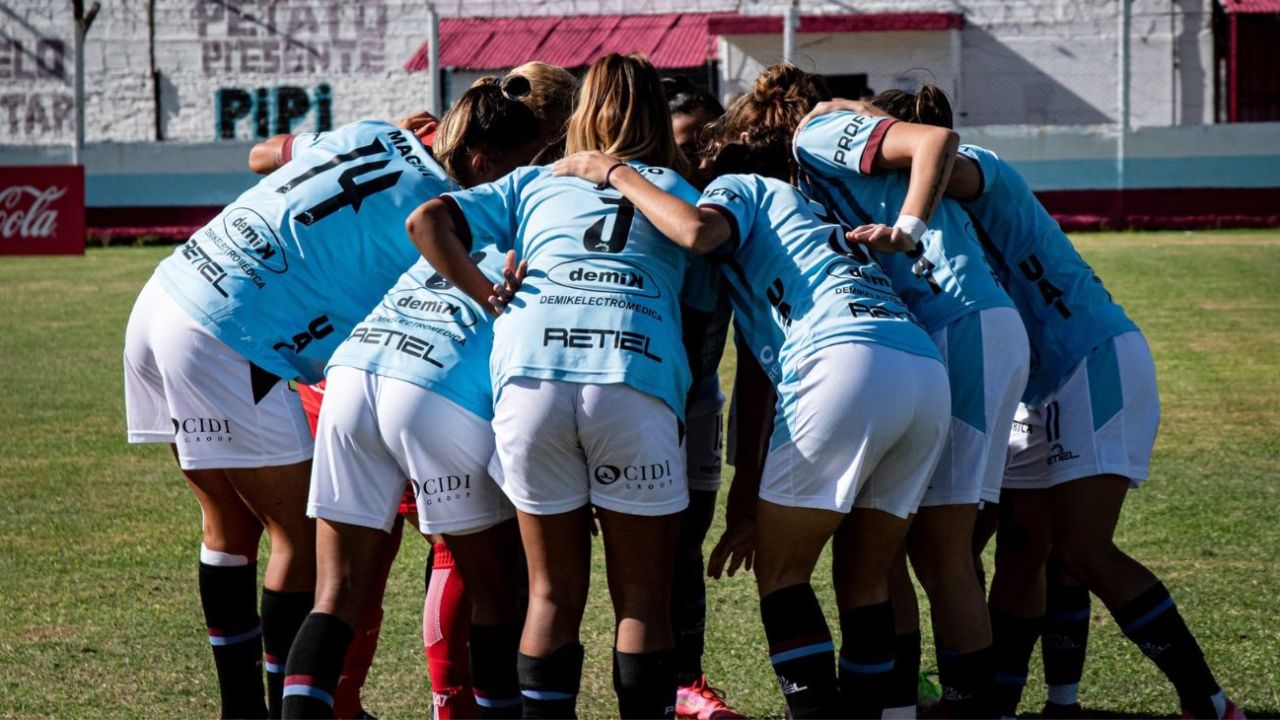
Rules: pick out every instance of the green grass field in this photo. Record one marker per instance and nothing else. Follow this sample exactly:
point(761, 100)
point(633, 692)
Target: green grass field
point(98, 540)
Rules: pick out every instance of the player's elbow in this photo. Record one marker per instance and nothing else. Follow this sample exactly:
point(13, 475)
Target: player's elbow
point(262, 159)
point(424, 227)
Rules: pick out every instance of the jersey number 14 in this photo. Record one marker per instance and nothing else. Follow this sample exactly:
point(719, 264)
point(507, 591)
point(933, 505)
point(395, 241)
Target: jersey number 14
point(350, 192)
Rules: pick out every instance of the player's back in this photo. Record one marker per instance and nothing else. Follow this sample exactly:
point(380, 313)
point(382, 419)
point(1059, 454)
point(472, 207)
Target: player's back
point(284, 272)
point(818, 290)
point(1064, 305)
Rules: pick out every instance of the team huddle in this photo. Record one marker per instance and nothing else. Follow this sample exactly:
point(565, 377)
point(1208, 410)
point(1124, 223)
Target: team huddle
point(507, 324)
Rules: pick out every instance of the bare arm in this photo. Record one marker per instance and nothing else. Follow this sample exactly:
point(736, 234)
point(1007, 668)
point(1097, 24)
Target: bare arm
point(698, 229)
point(433, 232)
point(267, 156)
point(929, 152)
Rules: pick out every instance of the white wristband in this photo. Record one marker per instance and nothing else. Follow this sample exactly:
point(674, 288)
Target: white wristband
point(913, 226)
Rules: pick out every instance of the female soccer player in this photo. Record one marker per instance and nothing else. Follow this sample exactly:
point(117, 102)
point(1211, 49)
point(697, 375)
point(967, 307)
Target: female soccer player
point(1083, 436)
point(266, 291)
point(848, 159)
point(590, 380)
point(419, 360)
point(859, 427)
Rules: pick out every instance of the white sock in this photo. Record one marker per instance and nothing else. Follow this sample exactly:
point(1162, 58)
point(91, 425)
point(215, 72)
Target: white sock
point(906, 712)
point(221, 559)
point(1064, 694)
point(1219, 701)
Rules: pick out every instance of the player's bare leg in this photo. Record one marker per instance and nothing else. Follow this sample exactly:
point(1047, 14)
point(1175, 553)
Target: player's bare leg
point(558, 551)
point(1085, 513)
point(228, 591)
point(788, 543)
point(491, 565)
point(940, 547)
point(639, 560)
point(863, 555)
point(905, 684)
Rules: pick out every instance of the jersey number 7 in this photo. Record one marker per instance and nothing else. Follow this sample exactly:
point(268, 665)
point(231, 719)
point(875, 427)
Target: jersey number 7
point(350, 193)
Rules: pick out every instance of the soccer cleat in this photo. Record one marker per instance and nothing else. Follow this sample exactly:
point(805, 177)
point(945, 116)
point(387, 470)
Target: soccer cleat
point(1055, 711)
point(1233, 712)
point(699, 701)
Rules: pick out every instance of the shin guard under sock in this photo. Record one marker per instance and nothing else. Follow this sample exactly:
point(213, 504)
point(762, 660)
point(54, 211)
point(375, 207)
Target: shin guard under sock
point(355, 669)
point(1064, 640)
point(689, 618)
point(446, 631)
point(1154, 624)
point(645, 684)
point(801, 651)
point(229, 596)
point(282, 615)
point(903, 685)
point(1013, 641)
point(495, 685)
point(866, 659)
point(549, 685)
point(966, 680)
point(314, 664)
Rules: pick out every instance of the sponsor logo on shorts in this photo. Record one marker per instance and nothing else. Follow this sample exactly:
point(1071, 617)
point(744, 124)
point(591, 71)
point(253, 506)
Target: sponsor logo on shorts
point(599, 339)
point(653, 476)
point(431, 307)
point(1021, 427)
point(607, 275)
point(1059, 454)
point(256, 238)
point(202, 429)
point(442, 489)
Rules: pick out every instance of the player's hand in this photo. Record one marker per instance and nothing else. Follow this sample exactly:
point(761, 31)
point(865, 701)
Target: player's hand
point(420, 123)
point(882, 238)
point(590, 165)
point(513, 276)
point(827, 107)
point(737, 547)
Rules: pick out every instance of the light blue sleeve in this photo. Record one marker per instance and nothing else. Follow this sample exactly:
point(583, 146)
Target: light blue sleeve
point(491, 210)
point(988, 165)
point(841, 143)
point(736, 197)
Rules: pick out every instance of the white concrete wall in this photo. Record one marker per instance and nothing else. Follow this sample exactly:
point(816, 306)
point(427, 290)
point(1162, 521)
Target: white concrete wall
point(1023, 61)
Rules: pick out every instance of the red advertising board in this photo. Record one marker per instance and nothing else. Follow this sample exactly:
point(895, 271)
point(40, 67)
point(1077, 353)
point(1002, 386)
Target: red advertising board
point(42, 210)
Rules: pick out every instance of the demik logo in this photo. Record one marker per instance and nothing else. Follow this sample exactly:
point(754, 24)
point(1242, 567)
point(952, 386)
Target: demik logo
point(202, 430)
point(421, 304)
point(605, 275)
point(256, 238)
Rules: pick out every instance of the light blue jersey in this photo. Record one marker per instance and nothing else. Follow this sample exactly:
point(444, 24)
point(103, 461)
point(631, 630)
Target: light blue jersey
point(950, 278)
point(601, 303)
point(427, 332)
point(798, 287)
point(284, 272)
point(1066, 309)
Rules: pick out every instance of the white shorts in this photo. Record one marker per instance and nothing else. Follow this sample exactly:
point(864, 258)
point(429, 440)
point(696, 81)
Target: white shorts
point(184, 386)
point(1101, 421)
point(375, 431)
point(865, 429)
point(988, 359)
point(704, 444)
point(564, 444)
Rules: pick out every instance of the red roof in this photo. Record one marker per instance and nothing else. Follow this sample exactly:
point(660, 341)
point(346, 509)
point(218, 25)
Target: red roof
point(670, 40)
point(860, 22)
point(1251, 6)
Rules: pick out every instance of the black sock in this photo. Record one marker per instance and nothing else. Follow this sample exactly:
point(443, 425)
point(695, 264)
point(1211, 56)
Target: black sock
point(645, 684)
point(688, 618)
point(1154, 624)
point(966, 680)
point(1064, 640)
point(314, 666)
point(494, 649)
point(903, 686)
point(866, 659)
point(549, 685)
point(282, 615)
point(1013, 641)
point(801, 651)
point(229, 596)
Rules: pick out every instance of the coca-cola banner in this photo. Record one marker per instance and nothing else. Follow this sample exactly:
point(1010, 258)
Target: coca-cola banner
point(42, 210)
